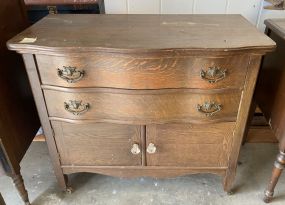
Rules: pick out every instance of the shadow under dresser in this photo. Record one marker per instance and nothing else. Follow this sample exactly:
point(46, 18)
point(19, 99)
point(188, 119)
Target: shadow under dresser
point(143, 95)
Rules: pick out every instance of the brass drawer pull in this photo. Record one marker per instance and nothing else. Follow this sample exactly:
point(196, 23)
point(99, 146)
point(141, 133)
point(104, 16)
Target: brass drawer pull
point(135, 149)
point(76, 107)
point(70, 74)
point(209, 108)
point(213, 74)
point(151, 148)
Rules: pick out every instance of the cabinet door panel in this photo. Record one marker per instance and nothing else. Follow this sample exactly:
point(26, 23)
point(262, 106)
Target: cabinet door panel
point(189, 145)
point(98, 144)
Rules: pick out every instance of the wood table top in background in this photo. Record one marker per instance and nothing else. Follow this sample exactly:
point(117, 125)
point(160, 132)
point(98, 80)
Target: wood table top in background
point(277, 25)
point(59, 2)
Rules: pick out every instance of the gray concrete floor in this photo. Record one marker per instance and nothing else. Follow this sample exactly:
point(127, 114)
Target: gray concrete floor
point(202, 189)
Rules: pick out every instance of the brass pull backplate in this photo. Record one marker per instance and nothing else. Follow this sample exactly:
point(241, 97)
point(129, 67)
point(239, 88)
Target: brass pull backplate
point(76, 107)
point(209, 108)
point(213, 74)
point(70, 74)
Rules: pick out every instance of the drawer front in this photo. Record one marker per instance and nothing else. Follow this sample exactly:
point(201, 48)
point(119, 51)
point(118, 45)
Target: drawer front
point(98, 144)
point(142, 107)
point(189, 145)
point(143, 73)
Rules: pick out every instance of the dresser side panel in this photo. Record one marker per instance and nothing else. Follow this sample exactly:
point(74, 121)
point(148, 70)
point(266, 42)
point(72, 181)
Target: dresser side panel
point(247, 95)
point(34, 79)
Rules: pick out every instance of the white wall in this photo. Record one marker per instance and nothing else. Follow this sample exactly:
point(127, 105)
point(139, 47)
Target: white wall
point(251, 9)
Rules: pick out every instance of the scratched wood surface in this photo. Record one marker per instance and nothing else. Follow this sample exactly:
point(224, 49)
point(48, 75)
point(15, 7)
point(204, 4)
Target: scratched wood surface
point(122, 32)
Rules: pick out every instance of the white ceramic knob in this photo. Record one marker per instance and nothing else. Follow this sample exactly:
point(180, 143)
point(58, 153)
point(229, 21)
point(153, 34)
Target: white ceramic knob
point(151, 148)
point(135, 149)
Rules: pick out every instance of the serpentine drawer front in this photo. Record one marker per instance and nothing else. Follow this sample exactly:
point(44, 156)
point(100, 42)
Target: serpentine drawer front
point(146, 95)
point(111, 70)
point(142, 107)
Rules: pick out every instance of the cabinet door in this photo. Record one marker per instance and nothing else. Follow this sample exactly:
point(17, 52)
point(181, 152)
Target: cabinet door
point(189, 145)
point(98, 144)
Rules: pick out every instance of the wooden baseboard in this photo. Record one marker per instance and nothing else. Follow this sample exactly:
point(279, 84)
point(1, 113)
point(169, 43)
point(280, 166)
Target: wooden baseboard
point(40, 138)
point(260, 134)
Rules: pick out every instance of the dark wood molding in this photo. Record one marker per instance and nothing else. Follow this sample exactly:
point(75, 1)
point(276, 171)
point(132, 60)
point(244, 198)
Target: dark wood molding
point(59, 2)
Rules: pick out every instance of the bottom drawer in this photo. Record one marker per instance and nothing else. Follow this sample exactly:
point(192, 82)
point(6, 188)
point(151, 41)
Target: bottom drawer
point(189, 145)
point(98, 144)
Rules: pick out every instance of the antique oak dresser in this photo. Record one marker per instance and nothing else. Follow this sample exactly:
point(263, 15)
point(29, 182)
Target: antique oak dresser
point(143, 95)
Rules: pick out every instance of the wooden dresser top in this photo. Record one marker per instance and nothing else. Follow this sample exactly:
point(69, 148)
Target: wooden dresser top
point(140, 32)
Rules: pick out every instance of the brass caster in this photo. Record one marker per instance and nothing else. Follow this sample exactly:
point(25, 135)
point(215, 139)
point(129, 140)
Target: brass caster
point(69, 190)
point(229, 193)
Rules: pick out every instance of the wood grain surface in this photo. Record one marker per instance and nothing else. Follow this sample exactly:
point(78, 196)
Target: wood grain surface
point(77, 33)
point(143, 106)
point(147, 171)
point(190, 144)
point(98, 144)
point(110, 70)
point(40, 101)
point(241, 121)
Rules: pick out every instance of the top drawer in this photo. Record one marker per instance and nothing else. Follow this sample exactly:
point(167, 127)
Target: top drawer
point(127, 72)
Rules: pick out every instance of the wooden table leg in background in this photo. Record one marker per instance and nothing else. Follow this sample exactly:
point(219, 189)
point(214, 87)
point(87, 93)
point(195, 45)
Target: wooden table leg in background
point(14, 172)
point(2, 202)
point(19, 184)
point(279, 165)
